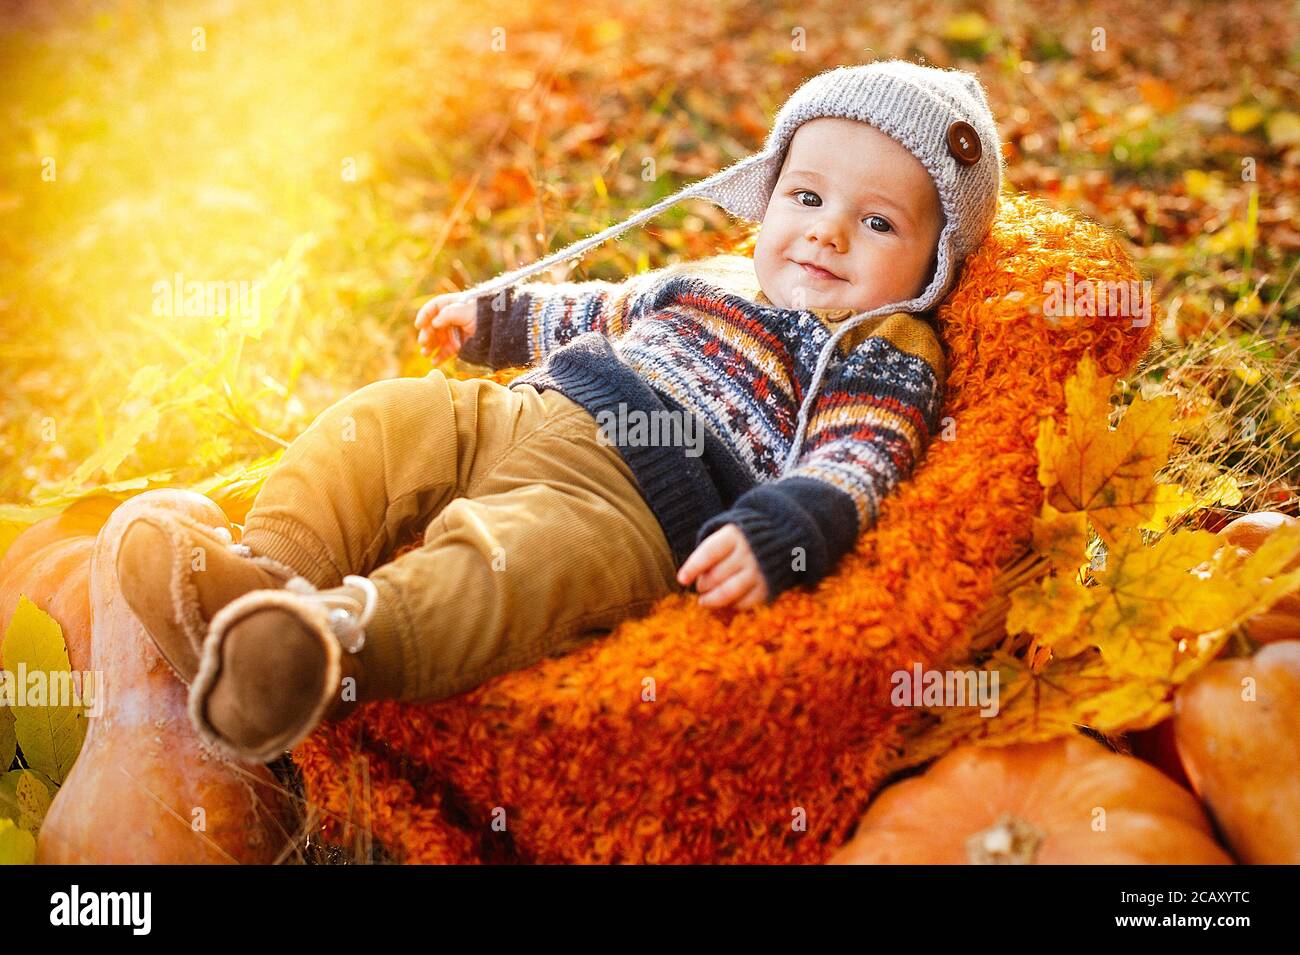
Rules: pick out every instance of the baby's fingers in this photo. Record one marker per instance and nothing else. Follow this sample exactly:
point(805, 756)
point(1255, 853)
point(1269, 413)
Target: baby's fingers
point(711, 550)
point(431, 309)
point(736, 588)
point(426, 313)
point(732, 563)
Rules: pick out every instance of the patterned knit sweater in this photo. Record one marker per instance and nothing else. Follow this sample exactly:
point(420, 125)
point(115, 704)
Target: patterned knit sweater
point(701, 339)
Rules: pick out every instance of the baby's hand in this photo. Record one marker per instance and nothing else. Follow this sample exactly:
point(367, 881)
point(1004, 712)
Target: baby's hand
point(444, 326)
point(727, 569)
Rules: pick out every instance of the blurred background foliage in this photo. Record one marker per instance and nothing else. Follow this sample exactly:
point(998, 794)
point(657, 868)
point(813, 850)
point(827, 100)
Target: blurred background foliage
point(355, 157)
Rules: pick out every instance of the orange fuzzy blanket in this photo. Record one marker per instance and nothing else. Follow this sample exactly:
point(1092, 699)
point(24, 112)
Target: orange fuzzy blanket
point(755, 736)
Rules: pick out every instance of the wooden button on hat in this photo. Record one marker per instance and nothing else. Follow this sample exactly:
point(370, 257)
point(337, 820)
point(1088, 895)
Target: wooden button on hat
point(964, 143)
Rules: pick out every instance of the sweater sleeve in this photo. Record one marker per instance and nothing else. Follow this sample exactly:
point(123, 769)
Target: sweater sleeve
point(872, 419)
point(522, 324)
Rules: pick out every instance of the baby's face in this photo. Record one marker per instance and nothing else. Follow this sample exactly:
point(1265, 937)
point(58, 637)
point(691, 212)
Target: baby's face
point(855, 202)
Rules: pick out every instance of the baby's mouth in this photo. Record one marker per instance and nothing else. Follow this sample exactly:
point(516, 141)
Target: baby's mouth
point(817, 272)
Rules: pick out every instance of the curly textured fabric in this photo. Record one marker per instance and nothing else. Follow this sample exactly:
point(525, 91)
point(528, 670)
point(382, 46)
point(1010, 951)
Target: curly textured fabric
point(697, 736)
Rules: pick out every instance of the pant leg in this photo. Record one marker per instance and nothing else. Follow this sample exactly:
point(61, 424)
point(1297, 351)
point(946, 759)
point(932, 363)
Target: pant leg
point(552, 545)
point(392, 456)
point(370, 469)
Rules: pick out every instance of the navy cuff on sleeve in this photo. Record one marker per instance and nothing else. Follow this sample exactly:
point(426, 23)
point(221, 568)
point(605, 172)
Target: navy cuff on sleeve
point(500, 339)
point(794, 512)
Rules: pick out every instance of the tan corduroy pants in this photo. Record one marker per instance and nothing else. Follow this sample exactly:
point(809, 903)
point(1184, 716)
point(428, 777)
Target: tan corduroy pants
point(536, 537)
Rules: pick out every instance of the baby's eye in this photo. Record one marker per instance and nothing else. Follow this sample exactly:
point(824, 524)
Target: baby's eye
point(878, 223)
point(806, 192)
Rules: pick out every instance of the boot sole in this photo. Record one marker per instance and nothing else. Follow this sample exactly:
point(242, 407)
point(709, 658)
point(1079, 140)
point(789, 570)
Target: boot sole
point(314, 616)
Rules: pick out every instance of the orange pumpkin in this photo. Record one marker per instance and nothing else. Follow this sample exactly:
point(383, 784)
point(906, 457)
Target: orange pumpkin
point(49, 563)
point(1282, 620)
point(1237, 724)
point(142, 790)
point(1069, 800)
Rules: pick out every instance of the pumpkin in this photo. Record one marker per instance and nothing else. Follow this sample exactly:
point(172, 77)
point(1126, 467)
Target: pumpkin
point(1237, 724)
point(49, 563)
point(1065, 801)
point(1282, 620)
point(142, 790)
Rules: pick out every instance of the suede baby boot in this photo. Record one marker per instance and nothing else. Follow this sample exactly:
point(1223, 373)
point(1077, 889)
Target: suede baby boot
point(276, 663)
point(176, 572)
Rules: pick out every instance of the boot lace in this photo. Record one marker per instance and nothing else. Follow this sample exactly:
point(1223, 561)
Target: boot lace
point(347, 617)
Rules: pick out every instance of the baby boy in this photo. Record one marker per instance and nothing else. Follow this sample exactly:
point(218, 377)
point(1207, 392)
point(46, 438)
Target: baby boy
point(883, 181)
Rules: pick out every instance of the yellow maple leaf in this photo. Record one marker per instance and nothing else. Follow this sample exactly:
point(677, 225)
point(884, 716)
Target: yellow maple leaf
point(1149, 598)
point(1061, 537)
point(1156, 616)
point(1142, 595)
point(1034, 706)
point(1170, 501)
point(1111, 644)
point(1052, 610)
point(1110, 474)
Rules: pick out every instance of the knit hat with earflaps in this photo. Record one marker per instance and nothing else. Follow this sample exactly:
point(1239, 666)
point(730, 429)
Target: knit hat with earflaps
point(941, 116)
